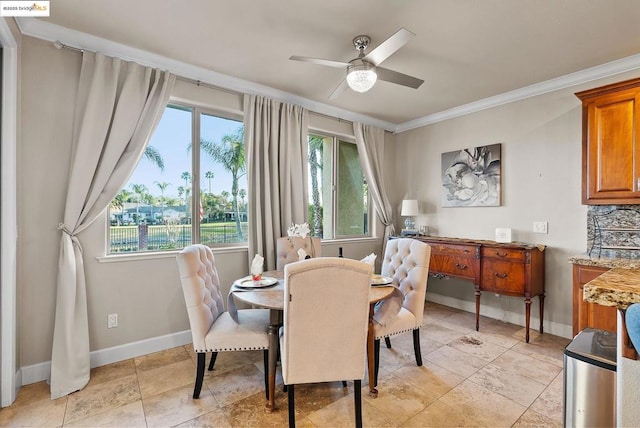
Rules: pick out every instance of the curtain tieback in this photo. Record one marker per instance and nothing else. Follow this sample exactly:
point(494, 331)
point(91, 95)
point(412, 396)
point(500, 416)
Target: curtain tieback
point(63, 228)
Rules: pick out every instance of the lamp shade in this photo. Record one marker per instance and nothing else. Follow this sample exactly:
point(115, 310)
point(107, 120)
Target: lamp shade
point(361, 75)
point(409, 207)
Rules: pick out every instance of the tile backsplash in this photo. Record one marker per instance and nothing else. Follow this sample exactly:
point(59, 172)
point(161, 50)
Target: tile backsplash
point(613, 231)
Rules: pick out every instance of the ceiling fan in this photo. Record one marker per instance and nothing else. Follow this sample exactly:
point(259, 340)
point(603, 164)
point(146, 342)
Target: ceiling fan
point(364, 70)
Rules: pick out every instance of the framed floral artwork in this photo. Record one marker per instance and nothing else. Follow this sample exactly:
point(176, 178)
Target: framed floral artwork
point(471, 177)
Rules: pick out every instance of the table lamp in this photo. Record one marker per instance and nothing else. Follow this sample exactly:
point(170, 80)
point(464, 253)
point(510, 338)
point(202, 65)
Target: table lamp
point(409, 210)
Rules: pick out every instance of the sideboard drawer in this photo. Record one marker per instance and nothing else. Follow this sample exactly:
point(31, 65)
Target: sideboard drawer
point(503, 253)
point(502, 277)
point(455, 250)
point(447, 265)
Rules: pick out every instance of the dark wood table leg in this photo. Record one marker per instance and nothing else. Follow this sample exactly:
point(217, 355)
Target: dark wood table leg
point(541, 313)
point(373, 392)
point(527, 302)
point(274, 325)
point(477, 309)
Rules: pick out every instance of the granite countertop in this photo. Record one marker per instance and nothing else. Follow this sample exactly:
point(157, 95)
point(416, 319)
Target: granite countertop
point(619, 287)
point(606, 262)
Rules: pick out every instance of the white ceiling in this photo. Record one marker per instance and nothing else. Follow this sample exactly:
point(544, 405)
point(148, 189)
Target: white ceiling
point(467, 51)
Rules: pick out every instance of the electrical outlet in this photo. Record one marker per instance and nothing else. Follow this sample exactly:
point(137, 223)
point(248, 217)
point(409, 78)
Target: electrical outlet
point(112, 320)
point(540, 227)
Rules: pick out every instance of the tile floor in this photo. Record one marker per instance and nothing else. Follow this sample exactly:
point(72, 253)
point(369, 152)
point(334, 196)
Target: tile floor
point(488, 378)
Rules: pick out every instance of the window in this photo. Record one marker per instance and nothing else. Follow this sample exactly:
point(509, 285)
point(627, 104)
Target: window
point(338, 194)
point(156, 210)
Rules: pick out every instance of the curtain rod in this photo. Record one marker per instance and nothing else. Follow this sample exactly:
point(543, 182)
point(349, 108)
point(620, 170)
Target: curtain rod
point(59, 45)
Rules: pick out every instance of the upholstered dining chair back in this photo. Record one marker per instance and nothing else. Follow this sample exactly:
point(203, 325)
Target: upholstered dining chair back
point(201, 288)
point(406, 260)
point(212, 328)
point(324, 334)
point(287, 249)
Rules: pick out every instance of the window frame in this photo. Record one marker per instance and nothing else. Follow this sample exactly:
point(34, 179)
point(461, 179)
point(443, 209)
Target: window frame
point(335, 163)
point(197, 110)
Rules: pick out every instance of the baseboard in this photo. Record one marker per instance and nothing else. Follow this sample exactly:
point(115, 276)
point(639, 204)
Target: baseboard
point(551, 327)
point(42, 371)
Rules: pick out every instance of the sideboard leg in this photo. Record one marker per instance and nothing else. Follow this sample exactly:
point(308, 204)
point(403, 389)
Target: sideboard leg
point(541, 312)
point(527, 302)
point(477, 309)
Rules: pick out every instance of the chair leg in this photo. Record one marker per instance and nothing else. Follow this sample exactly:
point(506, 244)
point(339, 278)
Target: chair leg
point(357, 398)
point(202, 360)
point(265, 354)
point(344, 383)
point(416, 346)
point(376, 360)
point(292, 408)
point(214, 355)
point(387, 342)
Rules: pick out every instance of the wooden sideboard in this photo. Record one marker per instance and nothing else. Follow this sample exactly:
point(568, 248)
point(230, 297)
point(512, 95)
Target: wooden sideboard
point(511, 269)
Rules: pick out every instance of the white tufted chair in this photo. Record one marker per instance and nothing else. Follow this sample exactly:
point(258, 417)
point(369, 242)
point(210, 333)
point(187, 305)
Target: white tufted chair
point(287, 249)
point(212, 329)
point(405, 260)
point(326, 316)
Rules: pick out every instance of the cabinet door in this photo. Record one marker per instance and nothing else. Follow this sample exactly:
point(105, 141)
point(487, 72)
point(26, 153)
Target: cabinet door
point(611, 151)
point(590, 314)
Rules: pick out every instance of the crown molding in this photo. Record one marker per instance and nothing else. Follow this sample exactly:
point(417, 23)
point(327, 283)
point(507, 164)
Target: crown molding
point(51, 32)
point(612, 68)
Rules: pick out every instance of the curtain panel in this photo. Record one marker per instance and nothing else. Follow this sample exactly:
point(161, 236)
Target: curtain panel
point(370, 142)
point(275, 136)
point(118, 106)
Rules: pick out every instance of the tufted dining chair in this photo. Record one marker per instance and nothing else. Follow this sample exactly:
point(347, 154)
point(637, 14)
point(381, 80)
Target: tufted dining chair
point(406, 260)
point(287, 249)
point(326, 317)
point(212, 328)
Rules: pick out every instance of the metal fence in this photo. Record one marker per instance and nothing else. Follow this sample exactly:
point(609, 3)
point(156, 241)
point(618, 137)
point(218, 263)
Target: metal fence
point(143, 237)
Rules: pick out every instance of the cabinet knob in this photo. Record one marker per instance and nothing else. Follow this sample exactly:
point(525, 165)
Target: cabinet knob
point(499, 254)
point(459, 266)
point(500, 275)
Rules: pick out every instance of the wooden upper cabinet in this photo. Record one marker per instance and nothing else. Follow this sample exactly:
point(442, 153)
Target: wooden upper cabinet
point(611, 144)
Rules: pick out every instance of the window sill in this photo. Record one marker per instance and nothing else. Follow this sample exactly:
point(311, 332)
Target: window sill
point(116, 258)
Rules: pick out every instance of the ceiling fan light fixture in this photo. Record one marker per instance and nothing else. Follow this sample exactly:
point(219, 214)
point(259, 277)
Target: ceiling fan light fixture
point(361, 76)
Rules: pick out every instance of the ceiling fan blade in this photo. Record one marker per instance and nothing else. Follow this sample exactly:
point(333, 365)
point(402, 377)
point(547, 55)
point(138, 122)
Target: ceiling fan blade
point(389, 46)
point(327, 62)
point(398, 78)
point(336, 92)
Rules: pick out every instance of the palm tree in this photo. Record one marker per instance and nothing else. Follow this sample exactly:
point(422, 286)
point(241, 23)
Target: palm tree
point(209, 175)
point(117, 203)
point(243, 194)
point(230, 153)
point(140, 191)
point(186, 177)
point(187, 190)
point(315, 165)
point(153, 155)
point(162, 186)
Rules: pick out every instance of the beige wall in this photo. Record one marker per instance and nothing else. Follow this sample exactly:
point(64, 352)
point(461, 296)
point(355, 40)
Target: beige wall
point(541, 181)
point(145, 293)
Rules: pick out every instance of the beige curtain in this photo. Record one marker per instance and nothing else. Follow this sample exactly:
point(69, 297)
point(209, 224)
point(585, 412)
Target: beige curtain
point(275, 136)
point(117, 108)
point(370, 142)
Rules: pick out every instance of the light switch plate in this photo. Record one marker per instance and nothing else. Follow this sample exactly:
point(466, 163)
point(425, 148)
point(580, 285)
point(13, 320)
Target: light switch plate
point(540, 227)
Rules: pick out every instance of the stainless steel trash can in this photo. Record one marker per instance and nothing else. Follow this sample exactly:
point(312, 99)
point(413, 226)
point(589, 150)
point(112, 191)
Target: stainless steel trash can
point(590, 380)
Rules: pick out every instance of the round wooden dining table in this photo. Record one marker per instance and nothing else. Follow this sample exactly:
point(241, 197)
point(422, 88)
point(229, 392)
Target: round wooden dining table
point(273, 298)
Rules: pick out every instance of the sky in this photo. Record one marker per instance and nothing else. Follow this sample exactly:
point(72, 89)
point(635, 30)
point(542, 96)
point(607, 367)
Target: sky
point(172, 138)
